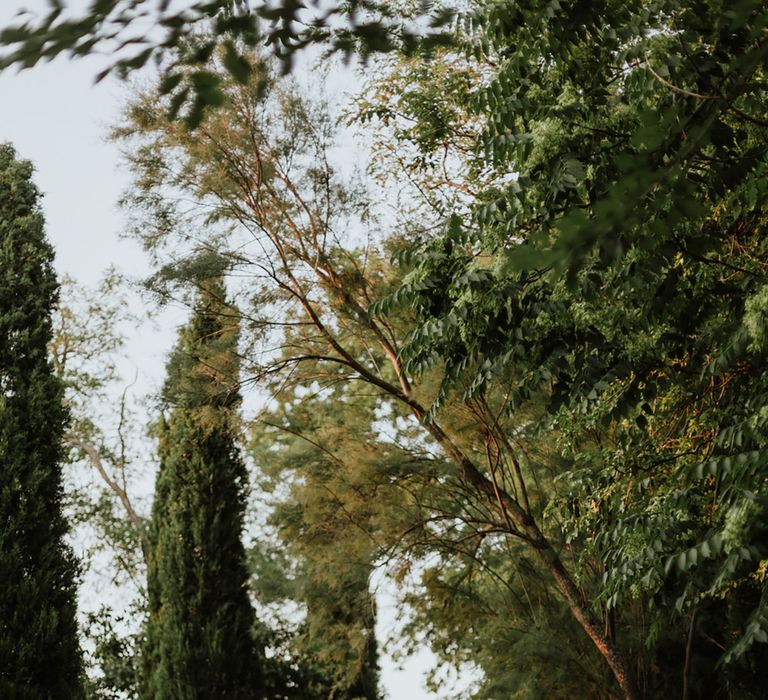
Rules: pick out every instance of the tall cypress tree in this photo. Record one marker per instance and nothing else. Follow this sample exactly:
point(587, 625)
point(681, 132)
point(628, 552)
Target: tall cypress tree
point(39, 650)
point(199, 642)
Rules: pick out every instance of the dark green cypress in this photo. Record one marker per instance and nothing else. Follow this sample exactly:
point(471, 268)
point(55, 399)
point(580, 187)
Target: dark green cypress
point(199, 642)
point(39, 650)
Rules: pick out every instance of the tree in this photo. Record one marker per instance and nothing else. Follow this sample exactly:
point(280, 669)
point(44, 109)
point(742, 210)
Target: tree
point(39, 648)
point(262, 164)
point(599, 288)
point(88, 338)
point(89, 327)
point(611, 270)
point(533, 309)
point(198, 637)
point(328, 520)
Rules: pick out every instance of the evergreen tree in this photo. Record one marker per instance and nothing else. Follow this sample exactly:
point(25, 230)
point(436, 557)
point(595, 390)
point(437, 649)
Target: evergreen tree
point(39, 649)
point(199, 642)
point(341, 622)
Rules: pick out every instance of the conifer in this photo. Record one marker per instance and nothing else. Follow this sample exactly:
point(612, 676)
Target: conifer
point(341, 628)
point(39, 649)
point(199, 641)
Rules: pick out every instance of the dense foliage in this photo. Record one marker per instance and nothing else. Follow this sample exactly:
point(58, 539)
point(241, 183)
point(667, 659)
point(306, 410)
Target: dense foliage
point(612, 270)
point(39, 645)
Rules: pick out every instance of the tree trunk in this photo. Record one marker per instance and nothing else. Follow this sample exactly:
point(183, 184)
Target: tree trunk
point(580, 610)
point(527, 528)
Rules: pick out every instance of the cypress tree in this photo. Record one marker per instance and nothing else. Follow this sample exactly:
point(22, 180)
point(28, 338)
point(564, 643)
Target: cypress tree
point(341, 625)
point(39, 650)
point(198, 642)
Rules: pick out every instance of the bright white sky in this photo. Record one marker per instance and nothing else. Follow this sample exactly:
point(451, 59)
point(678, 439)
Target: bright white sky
point(56, 117)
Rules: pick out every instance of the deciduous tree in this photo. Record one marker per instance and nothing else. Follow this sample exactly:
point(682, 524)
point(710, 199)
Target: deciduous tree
point(293, 237)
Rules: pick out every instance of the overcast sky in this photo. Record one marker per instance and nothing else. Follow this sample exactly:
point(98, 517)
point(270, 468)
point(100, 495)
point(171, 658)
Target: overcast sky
point(56, 117)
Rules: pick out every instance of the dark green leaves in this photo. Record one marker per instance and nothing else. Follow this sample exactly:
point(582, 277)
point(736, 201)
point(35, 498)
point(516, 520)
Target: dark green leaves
point(238, 66)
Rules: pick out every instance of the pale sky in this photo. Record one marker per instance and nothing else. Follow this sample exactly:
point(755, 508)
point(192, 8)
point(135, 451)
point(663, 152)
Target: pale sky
point(56, 117)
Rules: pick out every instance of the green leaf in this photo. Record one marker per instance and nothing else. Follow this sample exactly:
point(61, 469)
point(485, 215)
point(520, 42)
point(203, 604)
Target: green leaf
point(238, 66)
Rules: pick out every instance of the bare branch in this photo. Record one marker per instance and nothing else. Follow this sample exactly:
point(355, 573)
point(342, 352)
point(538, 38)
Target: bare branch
point(95, 459)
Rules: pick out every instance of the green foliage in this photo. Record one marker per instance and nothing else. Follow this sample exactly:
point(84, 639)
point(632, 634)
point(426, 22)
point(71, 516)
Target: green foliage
point(574, 316)
point(261, 167)
point(613, 269)
point(288, 675)
point(116, 656)
point(88, 339)
point(576, 332)
point(198, 636)
point(185, 39)
point(103, 470)
point(329, 522)
point(490, 610)
point(39, 648)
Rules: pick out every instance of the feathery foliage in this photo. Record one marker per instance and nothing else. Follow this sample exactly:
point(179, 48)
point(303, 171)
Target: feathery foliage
point(578, 329)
